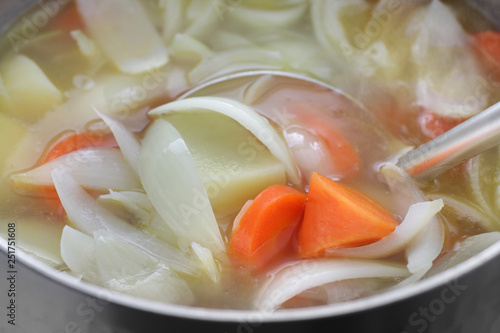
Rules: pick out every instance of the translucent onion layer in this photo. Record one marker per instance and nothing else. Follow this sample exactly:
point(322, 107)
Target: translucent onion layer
point(294, 279)
point(244, 115)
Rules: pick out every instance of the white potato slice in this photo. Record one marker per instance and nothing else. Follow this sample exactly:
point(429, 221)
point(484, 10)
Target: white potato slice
point(27, 92)
point(234, 165)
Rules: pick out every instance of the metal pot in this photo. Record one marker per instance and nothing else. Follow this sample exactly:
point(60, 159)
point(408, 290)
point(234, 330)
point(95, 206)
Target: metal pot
point(37, 298)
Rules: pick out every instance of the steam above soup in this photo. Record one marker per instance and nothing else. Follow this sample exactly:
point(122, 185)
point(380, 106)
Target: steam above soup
point(262, 192)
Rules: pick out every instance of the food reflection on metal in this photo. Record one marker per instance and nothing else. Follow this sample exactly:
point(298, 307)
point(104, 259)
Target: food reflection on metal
point(464, 141)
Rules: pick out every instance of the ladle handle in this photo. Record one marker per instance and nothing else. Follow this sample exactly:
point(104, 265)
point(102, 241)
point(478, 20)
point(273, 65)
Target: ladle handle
point(462, 142)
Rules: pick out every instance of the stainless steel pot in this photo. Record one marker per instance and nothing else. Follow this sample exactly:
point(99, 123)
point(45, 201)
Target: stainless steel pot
point(38, 299)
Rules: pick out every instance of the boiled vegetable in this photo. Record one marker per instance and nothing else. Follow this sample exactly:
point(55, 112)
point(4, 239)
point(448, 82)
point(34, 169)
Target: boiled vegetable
point(448, 68)
point(78, 253)
point(125, 34)
point(488, 43)
point(172, 18)
point(233, 61)
point(79, 141)
point(418, 217)
point(266, 15)
point(246, 116)
point(129, 145)
point(109, 260)
point(12, 132)
point(465, 250)
point(338, 158)
point(233, 170)
point(133, 205)
point(93, 168)
point(265, 229)
point(427, 244)
point(171, 179)
point(86, 45)
point(296, 278)
point(187, 47)
point(86, 215)
point(69, 19)
point(207, 261)
point(337, 216)
point(27, 92)
point(434, 125)
point(127, 268)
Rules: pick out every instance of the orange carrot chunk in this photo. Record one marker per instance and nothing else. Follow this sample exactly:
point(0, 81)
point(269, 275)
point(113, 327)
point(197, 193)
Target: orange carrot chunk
point(345, 157)
point(265, 229)
point(67, 145)
point(434, 125)
point(346, 160)
point(488, 43)
point(337, 216)
point(78, 141)
point(68, 19)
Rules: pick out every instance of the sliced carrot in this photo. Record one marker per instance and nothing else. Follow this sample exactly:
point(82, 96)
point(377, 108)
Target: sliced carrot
point(337, 216)
point(69, 144)
point(345, 158)
point(78, 141)
point(433, 125)
point(265, 229)
point(69, 19)
point(488, 44)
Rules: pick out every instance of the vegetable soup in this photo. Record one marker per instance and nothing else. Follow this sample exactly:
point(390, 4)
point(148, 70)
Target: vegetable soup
point(260, 192)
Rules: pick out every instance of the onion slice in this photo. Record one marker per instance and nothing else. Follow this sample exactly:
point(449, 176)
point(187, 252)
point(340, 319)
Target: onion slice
point(78, 253)
point(449, 71)
point(207, 261)
point(327, 23)
point(171, 179)
point(133, 204)
point(292, 280)
point(262, 18)
point(310, 152)
point(172, 19)
point(125, 34)
point(233, 61)
point(109, 260)
point(467, 210)
point(427, 245)
point(126, 268)
point(244, 115)
point(348, 290)
point(88, 216)
point(94, 168)
point(130, 147)
point(187, 47)
point(465, 250)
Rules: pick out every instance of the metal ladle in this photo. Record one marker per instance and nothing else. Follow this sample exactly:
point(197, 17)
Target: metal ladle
point(462, 142)
point(426, 162)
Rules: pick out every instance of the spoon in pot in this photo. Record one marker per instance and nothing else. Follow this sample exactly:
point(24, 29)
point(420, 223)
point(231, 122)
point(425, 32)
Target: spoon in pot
point(466, 140)
point(426, 162)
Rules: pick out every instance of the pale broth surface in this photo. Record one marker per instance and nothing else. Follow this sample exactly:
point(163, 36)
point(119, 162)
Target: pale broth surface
point(377, 52)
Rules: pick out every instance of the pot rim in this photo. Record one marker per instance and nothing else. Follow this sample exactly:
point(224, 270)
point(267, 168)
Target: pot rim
point(387, 297)
point(224, 315)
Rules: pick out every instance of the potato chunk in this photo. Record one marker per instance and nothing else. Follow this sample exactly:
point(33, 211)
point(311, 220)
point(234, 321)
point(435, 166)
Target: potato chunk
point(12, 132)
point(234, 165)
point(25, 91)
